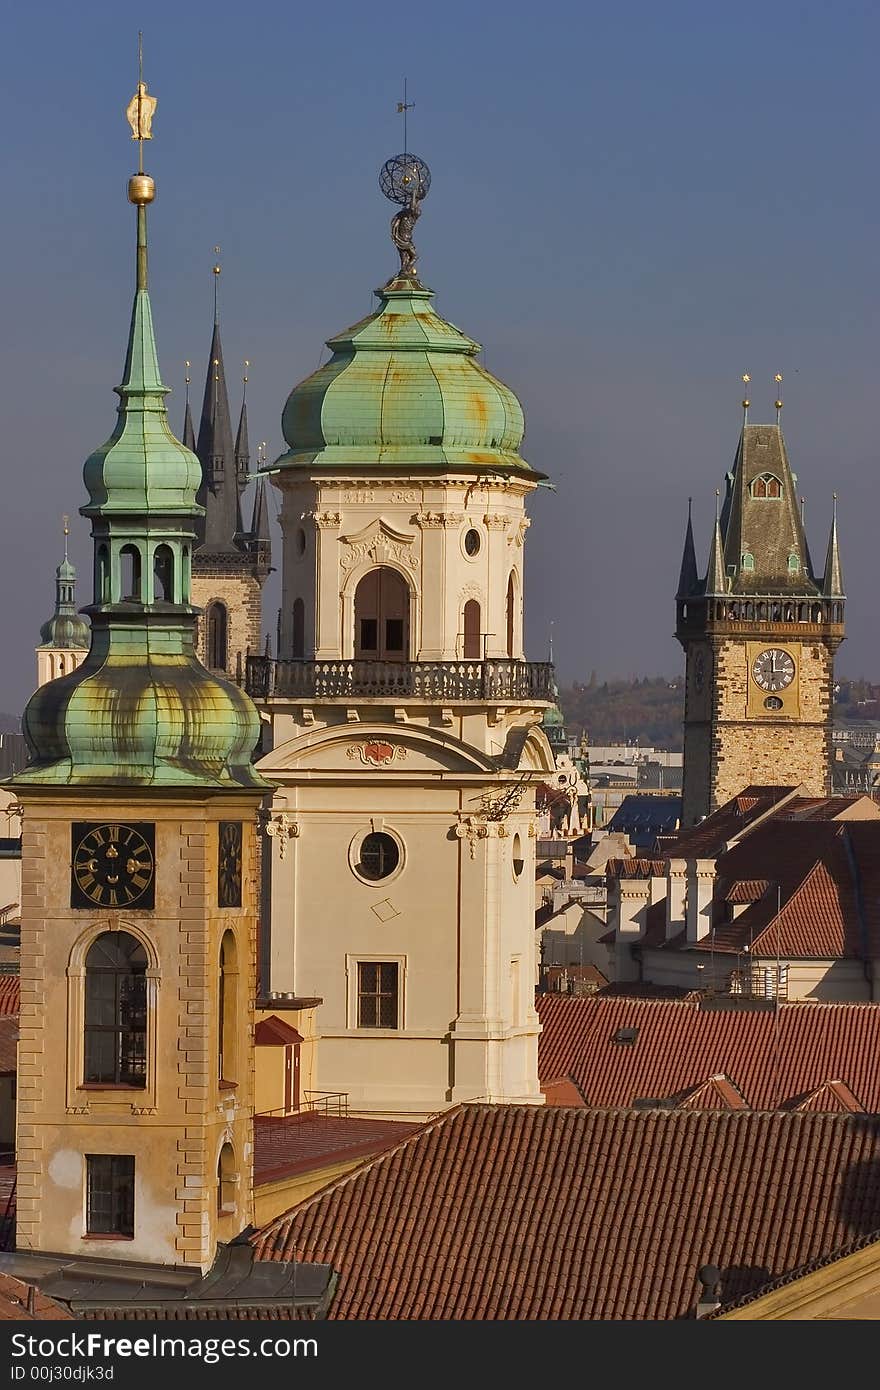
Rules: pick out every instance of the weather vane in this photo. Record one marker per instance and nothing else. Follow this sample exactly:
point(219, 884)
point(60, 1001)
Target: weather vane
point(405, 179)
point(141, 109)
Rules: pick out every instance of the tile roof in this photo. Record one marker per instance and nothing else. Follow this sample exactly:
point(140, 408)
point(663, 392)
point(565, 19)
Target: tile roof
point(716, 1093)
point(14, 1296)
point(833, 1096)
point(563, 1091)
point(288, 1144)
point(706, 840)
point(772, 1056)
point(8, 1045)
point(9, 994)
point(485, 1213)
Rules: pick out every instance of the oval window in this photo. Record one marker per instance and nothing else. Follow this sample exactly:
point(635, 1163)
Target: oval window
point(472, 543)
point(518, 861)
point(379, 855)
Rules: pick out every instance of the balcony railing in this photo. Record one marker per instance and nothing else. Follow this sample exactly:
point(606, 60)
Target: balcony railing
point(438, 681)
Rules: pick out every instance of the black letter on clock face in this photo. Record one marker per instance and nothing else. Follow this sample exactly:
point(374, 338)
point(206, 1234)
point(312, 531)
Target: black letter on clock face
point(113, 865)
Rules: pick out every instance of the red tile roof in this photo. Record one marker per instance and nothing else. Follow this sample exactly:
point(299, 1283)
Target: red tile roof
point(288, 1144)
point(521, 1212)
point(563, 1091)
point(708, 839)
point(747, 890)
point(716, 1093)
point(9, 994)
point(771, 1056)
point(8, 1045)
point(14, 1295)
point(833, 1096)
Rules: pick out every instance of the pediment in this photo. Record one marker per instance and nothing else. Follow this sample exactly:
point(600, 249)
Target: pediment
point(378, 530)
point(374, 750)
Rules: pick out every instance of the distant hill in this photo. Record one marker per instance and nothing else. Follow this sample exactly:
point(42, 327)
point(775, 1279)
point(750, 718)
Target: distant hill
point(649, 709)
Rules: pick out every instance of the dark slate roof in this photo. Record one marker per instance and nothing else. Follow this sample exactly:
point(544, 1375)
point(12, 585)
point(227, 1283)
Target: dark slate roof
point(643, 818)
point(774, 1057)
point(518, 1212)
point(770, 529)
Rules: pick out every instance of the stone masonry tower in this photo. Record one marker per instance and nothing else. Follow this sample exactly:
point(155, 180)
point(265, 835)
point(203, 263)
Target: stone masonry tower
point(138, 922)
point(759, 632)
point(405, 718)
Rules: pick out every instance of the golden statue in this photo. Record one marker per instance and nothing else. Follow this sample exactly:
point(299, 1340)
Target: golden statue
point(139, 113)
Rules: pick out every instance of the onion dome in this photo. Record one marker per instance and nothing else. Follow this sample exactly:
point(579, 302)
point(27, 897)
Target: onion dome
point(65, 629)
point(141, 710)
point(403, 388)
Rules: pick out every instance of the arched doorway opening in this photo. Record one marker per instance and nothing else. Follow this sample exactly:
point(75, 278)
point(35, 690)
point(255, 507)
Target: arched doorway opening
point(511, 608)
point(471, 625)
point(381, 617)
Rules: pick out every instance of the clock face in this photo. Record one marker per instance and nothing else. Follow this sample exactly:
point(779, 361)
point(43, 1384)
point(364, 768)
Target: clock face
point(113, 865)
point(773, 669)
point(229, 864)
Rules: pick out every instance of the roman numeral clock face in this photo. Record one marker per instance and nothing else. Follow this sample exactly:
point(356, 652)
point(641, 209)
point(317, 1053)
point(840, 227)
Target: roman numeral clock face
point(773, 670)
point(113, 865)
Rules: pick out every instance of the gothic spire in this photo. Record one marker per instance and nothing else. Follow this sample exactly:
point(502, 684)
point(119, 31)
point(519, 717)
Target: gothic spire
point(715, 576)
point(218, 493)
point(242, 448)
point(762, 532)
point(832, 581)
point(688, 578)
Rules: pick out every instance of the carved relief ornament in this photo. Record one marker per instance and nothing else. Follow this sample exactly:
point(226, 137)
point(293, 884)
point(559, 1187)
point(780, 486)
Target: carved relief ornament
point(378, 542)
point(377, 752)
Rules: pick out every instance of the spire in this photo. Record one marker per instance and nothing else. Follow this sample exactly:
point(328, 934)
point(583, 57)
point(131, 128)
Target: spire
point(189, 436)
point(688, 578)
point(218, 493)
point(832, 581)
point(242, 448)
point(715, 576)
point(259, 541)
point(141, 710)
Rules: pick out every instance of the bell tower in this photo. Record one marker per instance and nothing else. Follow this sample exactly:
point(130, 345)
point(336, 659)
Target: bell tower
point(405, 718)
point(759, 631)
point(138, 923)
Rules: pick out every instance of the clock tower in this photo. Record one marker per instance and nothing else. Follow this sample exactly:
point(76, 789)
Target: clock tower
point(138, 921)
point(759, 631)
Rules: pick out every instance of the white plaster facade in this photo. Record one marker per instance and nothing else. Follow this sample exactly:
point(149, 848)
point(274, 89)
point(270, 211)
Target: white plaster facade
point(442, 758)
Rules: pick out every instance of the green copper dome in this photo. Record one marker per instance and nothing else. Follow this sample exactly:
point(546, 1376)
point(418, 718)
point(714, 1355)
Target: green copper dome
point(403, 388)
point(141, 710)
point(65, 629)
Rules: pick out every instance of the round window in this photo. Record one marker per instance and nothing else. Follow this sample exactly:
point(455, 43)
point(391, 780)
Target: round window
point(472, 542)
point(773, 702)
point(300, 542)
point(379, 855)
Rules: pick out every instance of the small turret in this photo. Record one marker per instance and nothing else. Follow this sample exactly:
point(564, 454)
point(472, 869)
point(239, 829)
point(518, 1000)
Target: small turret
point(64, 638)
point(688, 577)
point(832, 580)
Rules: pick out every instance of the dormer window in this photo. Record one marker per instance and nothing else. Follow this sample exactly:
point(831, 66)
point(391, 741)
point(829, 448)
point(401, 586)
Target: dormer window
point(747, 560)
point(766, 485)
point(794, 564)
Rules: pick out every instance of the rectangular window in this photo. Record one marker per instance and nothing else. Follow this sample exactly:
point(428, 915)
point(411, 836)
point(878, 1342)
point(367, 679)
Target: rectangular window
point(394, 634)
point(377, 994)
point(110, 1195)
point(369, 634)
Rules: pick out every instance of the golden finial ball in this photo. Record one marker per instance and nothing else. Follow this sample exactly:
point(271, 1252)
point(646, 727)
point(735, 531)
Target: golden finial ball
point(778, 405)
point(215, 270)
point(141, 189)
point(746, 404)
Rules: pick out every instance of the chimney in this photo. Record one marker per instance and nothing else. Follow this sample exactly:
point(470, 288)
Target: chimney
point(710, 1295)
point(676, 897)
point(633, 898)
point(700, 885)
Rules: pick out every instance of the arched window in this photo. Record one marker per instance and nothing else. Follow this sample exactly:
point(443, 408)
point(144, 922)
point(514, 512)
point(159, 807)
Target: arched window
point(227, 1009)
point(217, 643)
point(226, 1181)
point(130, 574)
point(381, 616)
point(116, 1011)
point(471, 626)
point(794, 564)
point(747, 561)
point(163, 573)
point(298, 634)
point(766, 485)
point(102, 594)
point(511, 601)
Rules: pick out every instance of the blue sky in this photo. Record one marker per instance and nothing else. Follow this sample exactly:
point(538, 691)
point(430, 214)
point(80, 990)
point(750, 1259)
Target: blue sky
point(632, 204)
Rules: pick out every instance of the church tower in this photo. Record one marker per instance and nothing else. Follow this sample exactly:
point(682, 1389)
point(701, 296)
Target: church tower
point(138, 922)
point(759, 632)
point(230, 564)
point(65, 637)
point(405, 718)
